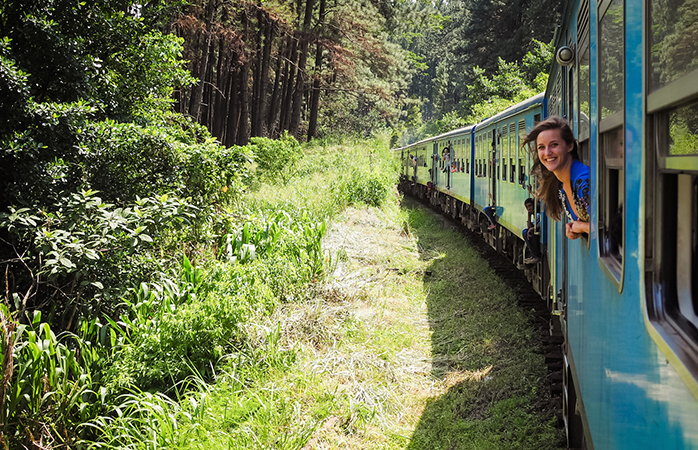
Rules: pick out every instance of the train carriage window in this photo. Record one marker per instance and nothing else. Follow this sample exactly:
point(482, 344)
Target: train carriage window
point(479, 157)
point(489, 146)
point(460, 151)
point(467, 155)
point(522, 153)
point(611, 139)
point(512, 155)
point(672, 187)
point(497, 142)
point(475, 156)
point(476, 162)
point(554, 103)
point(584, 83)
point(505, 151)
point(674, 52)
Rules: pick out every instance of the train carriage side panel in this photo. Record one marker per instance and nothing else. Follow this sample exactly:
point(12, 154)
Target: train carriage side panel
point(507, 182)
point(630, 390)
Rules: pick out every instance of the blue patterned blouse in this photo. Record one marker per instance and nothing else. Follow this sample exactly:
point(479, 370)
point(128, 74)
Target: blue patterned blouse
point(579, 179)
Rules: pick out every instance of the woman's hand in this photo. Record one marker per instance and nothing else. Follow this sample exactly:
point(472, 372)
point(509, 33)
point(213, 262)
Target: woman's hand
point(574, 230)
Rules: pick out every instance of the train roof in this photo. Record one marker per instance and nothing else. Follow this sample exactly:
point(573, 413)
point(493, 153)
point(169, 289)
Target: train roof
point(510, 111)
point(423, 141)
point(457, 131)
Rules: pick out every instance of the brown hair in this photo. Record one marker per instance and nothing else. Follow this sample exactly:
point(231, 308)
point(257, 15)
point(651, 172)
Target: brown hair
point(548, 184)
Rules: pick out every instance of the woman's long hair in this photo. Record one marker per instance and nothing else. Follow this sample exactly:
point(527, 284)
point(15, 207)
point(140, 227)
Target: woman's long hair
point(548, 184)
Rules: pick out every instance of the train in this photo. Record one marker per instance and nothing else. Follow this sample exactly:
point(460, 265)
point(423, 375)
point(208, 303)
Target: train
point(624, 297)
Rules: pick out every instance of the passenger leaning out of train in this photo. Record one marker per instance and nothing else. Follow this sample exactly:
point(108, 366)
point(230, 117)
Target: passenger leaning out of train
point(563, 180)
point(531, 233)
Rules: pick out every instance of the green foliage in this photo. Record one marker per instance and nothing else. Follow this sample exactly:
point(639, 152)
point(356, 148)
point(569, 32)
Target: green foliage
point(276, 159)
point(369, 188)
point(172, 329)
point(81, 254)
point(51, 382)
point(94, 50)
point(476, 34)
point(511, 84)
point(14, 89)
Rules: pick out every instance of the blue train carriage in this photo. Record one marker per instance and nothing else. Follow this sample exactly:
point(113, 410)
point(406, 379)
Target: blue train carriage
point(451, 172)
point(502, 177)
point(627, 80)
point(418, 159)
point(452, 163)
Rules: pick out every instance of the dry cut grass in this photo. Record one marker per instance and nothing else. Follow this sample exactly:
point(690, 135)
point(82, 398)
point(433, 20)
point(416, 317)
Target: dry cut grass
point(364, 339)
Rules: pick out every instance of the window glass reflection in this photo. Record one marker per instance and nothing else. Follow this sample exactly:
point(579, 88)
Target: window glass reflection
point(673, 46)
point(584, 94)
point(683, 131)
point(611, 60)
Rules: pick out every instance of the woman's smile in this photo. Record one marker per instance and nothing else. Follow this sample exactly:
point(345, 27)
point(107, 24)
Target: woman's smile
point(553, 151)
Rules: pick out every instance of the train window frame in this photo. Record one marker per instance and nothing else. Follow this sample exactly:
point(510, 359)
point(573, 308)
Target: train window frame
point(583, 66)
point(478, 165)
point(487, 153)
point(671, 188)
point(522, 154)
point(611, 161)
point(505, 151)
point(512, 155)
point(467, 155)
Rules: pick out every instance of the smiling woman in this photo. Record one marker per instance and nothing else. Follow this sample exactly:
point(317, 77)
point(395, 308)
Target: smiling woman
point(563, 178)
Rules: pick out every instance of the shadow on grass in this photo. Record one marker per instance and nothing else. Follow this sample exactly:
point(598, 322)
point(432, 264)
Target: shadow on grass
point(483, 351)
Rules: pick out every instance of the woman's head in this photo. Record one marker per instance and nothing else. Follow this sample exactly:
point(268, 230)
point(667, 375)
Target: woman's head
point(550, 127)
point(555, 143)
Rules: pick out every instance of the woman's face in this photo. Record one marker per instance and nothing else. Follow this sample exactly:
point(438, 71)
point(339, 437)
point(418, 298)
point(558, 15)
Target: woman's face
point(553, 151)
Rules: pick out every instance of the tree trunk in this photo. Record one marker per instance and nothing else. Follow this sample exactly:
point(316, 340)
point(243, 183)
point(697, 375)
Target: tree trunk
point(300, 79)
point(197, 93)
point(286, 105)
point(231, 129)
point(243, 133)
point(264, 78)
point(274, 104)
point(207, 98)
point(315, 94)
point(218, 116)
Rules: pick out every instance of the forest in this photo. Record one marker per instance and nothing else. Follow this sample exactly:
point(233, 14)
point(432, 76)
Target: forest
point(140, 144)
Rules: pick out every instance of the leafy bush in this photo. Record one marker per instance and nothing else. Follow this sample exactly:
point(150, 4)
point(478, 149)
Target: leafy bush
point(177, 328)
point(368, 188)
point(276, 159)
point(77, 257)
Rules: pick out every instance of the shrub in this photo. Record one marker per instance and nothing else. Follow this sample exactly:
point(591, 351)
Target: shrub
point(276, 159)
point(77, 257)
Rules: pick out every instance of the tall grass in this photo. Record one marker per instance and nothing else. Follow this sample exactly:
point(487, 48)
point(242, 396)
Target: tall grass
point(192, 361)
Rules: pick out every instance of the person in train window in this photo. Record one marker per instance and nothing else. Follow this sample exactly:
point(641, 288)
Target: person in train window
point(531, 232)
point(563, 180)
point(446, 159)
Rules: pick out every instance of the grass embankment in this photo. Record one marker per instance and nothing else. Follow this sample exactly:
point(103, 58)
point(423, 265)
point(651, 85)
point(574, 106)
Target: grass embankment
point(412, 343)
point(393, 334)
